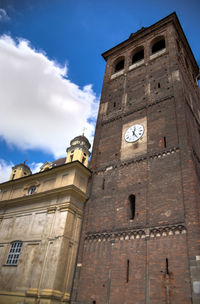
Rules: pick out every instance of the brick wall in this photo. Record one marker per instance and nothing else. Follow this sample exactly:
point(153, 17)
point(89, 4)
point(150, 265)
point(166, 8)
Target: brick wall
point(161, 171)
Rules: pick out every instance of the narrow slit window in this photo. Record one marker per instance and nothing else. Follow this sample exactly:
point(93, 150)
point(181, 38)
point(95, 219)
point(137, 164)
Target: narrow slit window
point(114, 104)
point(132, 206)
point(159, 85)
point(83, 160)
point(93, 302)
point(167, 266)
point(127, 271)
point(71, 158)
point(103, 183)
point(165, 142)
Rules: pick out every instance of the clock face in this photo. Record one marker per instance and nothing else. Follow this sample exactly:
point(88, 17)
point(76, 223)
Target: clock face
point(134, 133)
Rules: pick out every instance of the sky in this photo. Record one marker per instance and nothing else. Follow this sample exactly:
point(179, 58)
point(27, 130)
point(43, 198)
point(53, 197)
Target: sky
point(51, 68)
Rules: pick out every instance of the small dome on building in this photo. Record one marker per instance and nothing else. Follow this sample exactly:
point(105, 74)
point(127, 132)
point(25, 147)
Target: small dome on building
point(80, 140)
point(19, 171)
point(79, 150)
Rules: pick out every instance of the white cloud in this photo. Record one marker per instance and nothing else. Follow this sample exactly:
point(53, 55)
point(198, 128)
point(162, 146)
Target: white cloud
point(35, 167)
point(5, 170)
point(40, 109)
point(3, 15)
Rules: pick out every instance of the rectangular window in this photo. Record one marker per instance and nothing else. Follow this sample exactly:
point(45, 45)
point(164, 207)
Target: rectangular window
point(167, 266)
point(127, 271)
point(165, 142)
point(14, 253)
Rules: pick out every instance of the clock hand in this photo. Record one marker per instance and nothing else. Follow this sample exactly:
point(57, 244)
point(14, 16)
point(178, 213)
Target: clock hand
point(133, 131)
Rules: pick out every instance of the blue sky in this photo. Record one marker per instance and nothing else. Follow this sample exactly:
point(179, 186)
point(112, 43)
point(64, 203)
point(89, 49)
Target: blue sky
point(51, 69)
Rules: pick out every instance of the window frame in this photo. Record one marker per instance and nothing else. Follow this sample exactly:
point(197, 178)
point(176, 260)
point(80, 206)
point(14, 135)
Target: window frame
point(115, 63)
point(31, 189)
point(132, 206)
point(121, 63)
point(138, 50)
point(155, 41)
point(14, 253)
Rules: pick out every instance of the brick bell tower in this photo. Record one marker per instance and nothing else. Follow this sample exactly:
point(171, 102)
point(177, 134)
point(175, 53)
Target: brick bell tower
point(141, 232)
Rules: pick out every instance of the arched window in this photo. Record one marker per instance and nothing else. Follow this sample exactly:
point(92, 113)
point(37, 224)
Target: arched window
point(31, 189)
point(132, 206)
point(119, 64)
point(138, 55)
point(14, 253)
point(158, 44)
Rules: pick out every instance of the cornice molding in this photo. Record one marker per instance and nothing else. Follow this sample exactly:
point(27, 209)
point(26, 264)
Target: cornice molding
point(65, 167)
point(70, 190)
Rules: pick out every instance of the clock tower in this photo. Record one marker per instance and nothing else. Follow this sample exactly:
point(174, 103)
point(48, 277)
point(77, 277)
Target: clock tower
point(141, 232)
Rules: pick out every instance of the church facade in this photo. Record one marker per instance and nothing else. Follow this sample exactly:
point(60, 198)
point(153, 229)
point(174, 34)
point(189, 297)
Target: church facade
point(40, 221)
point(140, 241)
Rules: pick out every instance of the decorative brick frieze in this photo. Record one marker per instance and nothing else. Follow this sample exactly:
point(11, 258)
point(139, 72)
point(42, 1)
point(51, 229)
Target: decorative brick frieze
point(148, 156)
point(130, 234)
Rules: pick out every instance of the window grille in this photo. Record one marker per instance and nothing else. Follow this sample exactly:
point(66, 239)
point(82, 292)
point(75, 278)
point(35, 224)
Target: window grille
point(14, 253)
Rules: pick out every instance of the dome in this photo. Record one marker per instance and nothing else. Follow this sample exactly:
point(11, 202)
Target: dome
point(22, 165)
point(80, 139)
